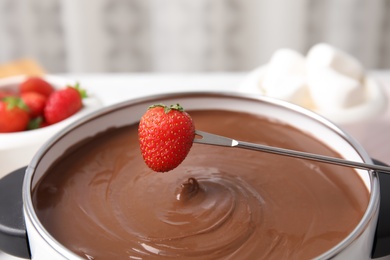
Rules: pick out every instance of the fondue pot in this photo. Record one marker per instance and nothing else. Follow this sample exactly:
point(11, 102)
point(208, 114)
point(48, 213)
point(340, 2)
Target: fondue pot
point(22, 234)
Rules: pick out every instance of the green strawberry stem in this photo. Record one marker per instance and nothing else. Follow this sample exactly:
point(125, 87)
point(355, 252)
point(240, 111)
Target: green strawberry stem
point(13, 102)
point(35, 123)
point(83, 92)
point(167, 109)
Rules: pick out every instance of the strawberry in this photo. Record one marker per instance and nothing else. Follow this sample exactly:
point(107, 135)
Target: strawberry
point(63, 103)
point(36, 84)
point(35, 102)
point(165, 135)
point(13, 115)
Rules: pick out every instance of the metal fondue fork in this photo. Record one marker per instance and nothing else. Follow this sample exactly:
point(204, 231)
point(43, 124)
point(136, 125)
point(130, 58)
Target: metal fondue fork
point(212, 139)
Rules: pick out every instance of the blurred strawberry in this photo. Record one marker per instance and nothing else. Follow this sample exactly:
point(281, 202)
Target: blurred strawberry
point(35, 102)
point(13, 115)
point(36, 84)
point(63, 103)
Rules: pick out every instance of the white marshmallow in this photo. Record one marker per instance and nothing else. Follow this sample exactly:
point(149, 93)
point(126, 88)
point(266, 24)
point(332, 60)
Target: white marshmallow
point(325, 56)
point(286, 61)
point(290, 87)
point(331, 91)
point(284, 78)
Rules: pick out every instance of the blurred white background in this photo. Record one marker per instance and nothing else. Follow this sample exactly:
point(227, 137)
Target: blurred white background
point(187, 35)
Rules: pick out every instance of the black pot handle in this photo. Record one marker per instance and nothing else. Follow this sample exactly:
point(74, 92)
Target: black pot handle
point(13, 234)
point(381, 245)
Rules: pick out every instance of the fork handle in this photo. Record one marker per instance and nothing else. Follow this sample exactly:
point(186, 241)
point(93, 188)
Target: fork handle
point(310, 156)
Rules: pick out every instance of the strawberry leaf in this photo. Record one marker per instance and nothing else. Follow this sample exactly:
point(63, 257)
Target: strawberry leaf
point(13, 102)
point(83, 92)
point(167, 109)
point(177, 107)
point(34, 123)
point(157, 105)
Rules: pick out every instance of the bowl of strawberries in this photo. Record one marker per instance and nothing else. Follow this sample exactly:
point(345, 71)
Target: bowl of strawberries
point(32, 109)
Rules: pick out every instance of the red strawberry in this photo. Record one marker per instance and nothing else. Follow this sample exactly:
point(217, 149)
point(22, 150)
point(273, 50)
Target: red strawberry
point(36, 84)
point(63, 103)
point(13, 115)
point(35, 102)
point(165, 135)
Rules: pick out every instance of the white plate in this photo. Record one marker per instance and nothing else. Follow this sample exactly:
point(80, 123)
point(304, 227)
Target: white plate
point(376, 100)
point(17, 149)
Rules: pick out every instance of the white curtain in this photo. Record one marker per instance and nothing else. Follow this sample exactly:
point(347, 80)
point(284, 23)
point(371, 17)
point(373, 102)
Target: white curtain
point(187, 35)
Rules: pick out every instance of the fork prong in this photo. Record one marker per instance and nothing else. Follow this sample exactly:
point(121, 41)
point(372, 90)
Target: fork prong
point(212, 139)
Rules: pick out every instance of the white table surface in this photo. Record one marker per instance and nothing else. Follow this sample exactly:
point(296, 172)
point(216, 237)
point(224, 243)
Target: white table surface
point(113, 88)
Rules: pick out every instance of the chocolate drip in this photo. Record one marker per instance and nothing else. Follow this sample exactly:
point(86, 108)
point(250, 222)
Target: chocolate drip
point(188, 189)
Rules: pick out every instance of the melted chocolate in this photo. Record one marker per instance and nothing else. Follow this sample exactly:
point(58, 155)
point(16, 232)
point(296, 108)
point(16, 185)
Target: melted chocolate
point(102, 202)
point(188, 189)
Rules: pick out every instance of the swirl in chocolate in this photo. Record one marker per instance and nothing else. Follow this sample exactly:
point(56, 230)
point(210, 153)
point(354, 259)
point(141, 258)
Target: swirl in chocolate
point(102, 202)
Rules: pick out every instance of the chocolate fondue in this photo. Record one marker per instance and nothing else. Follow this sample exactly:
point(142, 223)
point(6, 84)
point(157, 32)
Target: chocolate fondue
point(102, 202)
